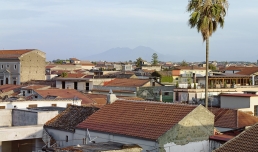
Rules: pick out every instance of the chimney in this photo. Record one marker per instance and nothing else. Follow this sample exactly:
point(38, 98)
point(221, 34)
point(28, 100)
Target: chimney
point(160, 95)
point(111, 97)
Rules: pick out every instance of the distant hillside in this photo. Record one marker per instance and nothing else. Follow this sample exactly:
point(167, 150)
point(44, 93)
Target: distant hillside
point(126, 54)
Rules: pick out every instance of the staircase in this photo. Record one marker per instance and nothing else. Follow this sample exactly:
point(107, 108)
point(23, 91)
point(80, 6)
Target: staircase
point(48, 140)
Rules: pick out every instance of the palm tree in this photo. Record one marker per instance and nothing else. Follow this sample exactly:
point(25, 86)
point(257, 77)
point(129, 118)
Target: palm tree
point(206, 15)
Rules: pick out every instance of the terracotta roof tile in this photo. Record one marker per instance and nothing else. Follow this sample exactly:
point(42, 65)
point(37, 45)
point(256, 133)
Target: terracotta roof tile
point(140, 119)
point(65, 93)
point(13, 53)
point(71, 117)
point(75, 75)
point(35, 87)
point(230, 118)
point(127, 82)
point(244, 142)
point(8, 87)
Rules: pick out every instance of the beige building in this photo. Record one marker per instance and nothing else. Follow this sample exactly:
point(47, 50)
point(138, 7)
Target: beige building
point(19, 66)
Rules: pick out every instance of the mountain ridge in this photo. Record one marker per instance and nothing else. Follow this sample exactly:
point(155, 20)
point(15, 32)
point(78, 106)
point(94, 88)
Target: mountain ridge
point(126, 54)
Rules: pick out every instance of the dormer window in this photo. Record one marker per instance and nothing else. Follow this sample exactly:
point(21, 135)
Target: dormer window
point(2, 66)
point(15, 66)
point(7, 65)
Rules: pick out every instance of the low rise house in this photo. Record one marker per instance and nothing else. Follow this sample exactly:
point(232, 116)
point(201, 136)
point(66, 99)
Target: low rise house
point(74, 95)
point(245, 141)
point(155, 126)
point(124, 87)
point(231, 119)
point(244, 102)
point(8, 90)
point(12, 104)
point(62, 127)
point(21, 129)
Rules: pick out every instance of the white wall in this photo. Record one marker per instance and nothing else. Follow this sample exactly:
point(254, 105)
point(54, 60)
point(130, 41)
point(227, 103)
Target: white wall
point(6, 118)
point(40, 103)
point(60, 137)
point(201, 146)
point(21, 132)
point(105, 137)
point(235, 102)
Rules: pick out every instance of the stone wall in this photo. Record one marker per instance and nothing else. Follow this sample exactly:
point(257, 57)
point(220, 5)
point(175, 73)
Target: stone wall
point(32, 66)
point(197, 126)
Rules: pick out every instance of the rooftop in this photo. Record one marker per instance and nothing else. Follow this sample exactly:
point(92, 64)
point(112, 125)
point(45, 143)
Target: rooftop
point(238, 95)
point(230, 118)
point(64, 94)
point(101, 147)
point(8, 87)
point(147, 120)
point(13, 53)
point(245, 141)
point(72, 116)
point(127, 82)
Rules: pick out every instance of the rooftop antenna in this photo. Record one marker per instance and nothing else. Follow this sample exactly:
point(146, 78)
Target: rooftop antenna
point(89, 138)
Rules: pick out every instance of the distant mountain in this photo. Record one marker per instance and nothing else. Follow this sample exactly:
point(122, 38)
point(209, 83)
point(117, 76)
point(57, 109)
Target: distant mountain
point(126, 54)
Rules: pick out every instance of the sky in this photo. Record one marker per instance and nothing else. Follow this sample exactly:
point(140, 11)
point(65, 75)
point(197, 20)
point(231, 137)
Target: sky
point(80, 28)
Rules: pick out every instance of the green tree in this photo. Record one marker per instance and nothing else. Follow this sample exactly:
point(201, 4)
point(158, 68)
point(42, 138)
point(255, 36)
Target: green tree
point(183, 63)
point(206, 15)
point(138, 62)
point(154, 60)
point(212, 67)
point(64, 74)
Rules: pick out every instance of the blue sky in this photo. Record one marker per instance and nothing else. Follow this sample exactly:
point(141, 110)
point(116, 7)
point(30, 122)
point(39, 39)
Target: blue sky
point(68, 28)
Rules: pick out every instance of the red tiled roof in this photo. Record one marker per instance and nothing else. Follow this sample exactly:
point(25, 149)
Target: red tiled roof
point(221, 137)
point(248, 70)
point(237, 95)
point(244, 142)
point(35, 87)
point(190, 68)
point(75, 75)
point(230, 118)
point(13, 53)
point(65, 93)
point(74, 59)
point(8, 87)
point(140, 119)
point(127, 82)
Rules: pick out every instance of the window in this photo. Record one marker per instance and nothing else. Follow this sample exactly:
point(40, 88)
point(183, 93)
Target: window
point(66, 139)
point(87, 86)
point(177, 96)
point(36, 97)
point(33, 106)
point(166, 93)
point(23, 93)
point(255, 110)
point(15, 66)
point(29, 91)
point(2, 107)
point(7, 65)
point(75, 85)
point(2, 66)
point(53, 105)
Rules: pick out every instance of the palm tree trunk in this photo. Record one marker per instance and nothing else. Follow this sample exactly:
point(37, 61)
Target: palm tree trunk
point(206, 72)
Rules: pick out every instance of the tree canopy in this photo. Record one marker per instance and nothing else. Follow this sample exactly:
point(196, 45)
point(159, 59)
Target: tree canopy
point(138, 62)
point(154, 60)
